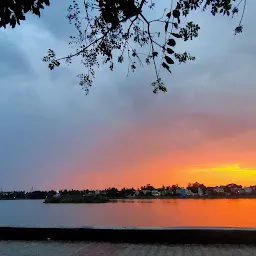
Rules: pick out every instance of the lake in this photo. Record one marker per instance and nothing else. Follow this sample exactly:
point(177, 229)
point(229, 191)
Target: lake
point(139, 213)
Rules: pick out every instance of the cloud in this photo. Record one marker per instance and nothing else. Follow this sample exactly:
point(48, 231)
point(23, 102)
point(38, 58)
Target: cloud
point(52, 135)
point(11, 59)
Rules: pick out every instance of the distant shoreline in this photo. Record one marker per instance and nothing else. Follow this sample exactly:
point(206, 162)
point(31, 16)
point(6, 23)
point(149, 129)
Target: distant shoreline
point(67, 199)
point(131, 200)
point(188, 197)
point(142, 198)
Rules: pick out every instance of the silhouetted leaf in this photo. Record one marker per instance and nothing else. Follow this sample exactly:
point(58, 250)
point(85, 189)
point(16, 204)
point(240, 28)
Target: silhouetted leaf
point(12, 22)
point(234, 11)
point(154, 54)
point(184, 57)
point(175, 24)
point(152, 6)
point(164, 65)
point(120, 59)
point(51, 66)
point(158, 86)
point(166, 26)
point(171, 42)
point(176, 35)
point(169, 60)
point(169, 14)
point(238, 29)
point(176, 13)
point(170, 51)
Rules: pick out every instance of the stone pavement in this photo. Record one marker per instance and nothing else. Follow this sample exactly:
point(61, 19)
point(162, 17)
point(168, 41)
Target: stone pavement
point(16, 248)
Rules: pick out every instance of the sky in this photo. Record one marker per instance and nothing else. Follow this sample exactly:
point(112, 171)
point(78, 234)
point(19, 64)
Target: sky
point(53, 136)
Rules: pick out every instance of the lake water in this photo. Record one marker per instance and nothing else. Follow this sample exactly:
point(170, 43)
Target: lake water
point(146, 213)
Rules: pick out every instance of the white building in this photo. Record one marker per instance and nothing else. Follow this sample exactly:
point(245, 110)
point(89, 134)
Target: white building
point(145, 192)
point(189, 193)
point(247, 190)
point(136, 193)
point(219, 190)
point(155, 193)
point(57, 195)
point(200, 192)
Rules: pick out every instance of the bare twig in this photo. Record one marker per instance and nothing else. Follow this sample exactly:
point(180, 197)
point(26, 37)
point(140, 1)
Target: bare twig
point(151, 41)
point(240, 22)
point(85, 48)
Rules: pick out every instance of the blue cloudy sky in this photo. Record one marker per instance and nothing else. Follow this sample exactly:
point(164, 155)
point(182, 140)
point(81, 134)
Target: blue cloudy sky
point(54, 136)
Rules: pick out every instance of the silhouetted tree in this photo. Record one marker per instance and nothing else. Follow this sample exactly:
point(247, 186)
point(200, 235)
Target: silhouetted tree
point(112, 192)
point(148, 187)
point(36, 195)
point(126, 192)
point(174, 189)
point(13, 11)
point(194, 187)
point(51, 193)
point(114, 30)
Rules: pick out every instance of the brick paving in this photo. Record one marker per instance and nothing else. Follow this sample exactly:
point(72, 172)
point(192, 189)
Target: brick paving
point(16, 248)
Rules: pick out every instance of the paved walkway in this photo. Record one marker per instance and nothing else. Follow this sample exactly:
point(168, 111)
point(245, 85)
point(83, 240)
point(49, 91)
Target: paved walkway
point(15, 248)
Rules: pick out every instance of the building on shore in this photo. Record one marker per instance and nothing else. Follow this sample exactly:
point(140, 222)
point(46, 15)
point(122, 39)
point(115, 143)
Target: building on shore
point(219, 190)
point(200, 192)
point(247, 190)
point(155, 193)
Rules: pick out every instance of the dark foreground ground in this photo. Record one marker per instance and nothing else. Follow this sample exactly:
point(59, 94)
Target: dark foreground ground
point(21, 248)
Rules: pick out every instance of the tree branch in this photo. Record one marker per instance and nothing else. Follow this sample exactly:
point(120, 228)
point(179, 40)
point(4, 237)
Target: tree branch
point(151, 41)
point(85, 48)
point(141, 5)
point(242, 13)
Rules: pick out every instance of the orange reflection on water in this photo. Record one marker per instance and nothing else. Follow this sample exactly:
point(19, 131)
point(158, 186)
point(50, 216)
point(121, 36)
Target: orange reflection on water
point(173, 213)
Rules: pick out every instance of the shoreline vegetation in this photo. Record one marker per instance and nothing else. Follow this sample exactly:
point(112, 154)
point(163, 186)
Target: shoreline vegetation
point(128, 199)
point(147, 192)
point(98, 200)
point(67, 199)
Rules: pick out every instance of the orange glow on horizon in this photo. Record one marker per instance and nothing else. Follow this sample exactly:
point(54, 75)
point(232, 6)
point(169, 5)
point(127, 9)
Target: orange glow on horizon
point(221, 175)
point(118, 161)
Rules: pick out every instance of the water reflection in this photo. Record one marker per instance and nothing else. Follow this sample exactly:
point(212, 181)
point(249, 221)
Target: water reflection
point(149, 213)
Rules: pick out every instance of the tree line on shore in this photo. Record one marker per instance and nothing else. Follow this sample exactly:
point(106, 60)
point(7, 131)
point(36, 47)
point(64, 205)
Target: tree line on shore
point(193, 189)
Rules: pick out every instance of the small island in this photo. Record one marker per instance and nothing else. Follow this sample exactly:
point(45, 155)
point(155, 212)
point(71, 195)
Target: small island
point(76, 199)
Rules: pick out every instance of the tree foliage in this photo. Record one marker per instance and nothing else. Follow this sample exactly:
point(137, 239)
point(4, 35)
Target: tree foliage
point(111, 32)
point(13, 11)
point(194, 187)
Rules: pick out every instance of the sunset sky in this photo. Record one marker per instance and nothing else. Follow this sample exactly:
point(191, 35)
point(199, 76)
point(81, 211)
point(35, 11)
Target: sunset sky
point(53, 136)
